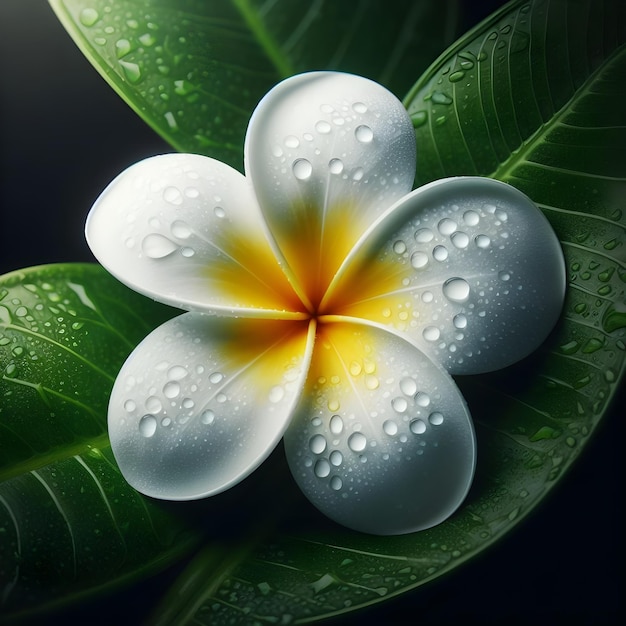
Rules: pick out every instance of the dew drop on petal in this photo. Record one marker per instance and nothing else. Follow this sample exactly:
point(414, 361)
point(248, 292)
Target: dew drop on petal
point(336, 483)
point(336, 425)
point(207, 416)
point(177, 372)
point(390, 427)
point(364, 134)
point(153, 404)
point(446, 226)
point(322, 127)
point(302, 169)
point(219, 212)
point(336, 458)
point(173, 195)
point(417, 427)
point(216, 377)
point(482, 241)
point(359, 107)
point(147, 425)
point(399, 247)
point(399, 404)
point(292, 142)
point(130, 406)
point(431, 333)
point(180, 229)
point(424, 235)
point(504, 276)
point(408, 387)
point(440, 253)
point(471, 218)
point(422, 399)
point(277, 393)
point(322, 468)
point(358, 173)
point(171, 389)
point(157, 246)
point(456, 289)
point(357, 442)
point(317, 444)
point(460, 240)
point(435, 418)
point(460, 321)
point(335, 166)
point(419, 260)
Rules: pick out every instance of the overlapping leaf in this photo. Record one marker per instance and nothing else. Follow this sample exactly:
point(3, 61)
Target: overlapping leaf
point(195, 70)
point(69, 522)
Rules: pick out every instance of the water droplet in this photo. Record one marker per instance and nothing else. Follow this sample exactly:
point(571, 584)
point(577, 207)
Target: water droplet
point(180, 229)
point(336, 458)
point(355, 368)
point(173, 195)
point(277, 393)
point(460, 321)
point(336, 425)
point(177, 372)
point(335, 166)
point(372, 382)
point(399, 247)
point(216, 377)
point(323, 127)
point(187, 252)
point(153, 405)
point(422, 399)
point(147, 425)
point(88, 17)
point(157, 246)
point(207, 416)
point(364, 134)
point(322, 468)
point(317, 444)
point(358, 173)
point(471, 218)
point(440, 253)
point(357, 442)
point(132, 71)
point(460, 240)
point(390, 427)
point(408, 387)
point(130, 405)
point(147, 39)
point(171, 389)
point(359, 107)
point(418, 427)
point(424, 235)
point(419, 260)
point(438, 97)
point(482, 241)
point(122, 47)
point(292, 141)
point(302, 169)
point(335, 483)
point(456, 289)
point(455, 77)
point(399, 404)
point(504, 276)
point(431, 333)
point(446, 226)
point(436, 418)
point(419, 118)
point(166, 421)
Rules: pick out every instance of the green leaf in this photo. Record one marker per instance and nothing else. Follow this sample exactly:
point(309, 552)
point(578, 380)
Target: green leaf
point(195, 69)
point(533, 96)
point(69, 523)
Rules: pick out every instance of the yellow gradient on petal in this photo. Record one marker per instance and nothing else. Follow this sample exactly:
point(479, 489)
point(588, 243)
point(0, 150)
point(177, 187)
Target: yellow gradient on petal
point(376, 289)
point(268, 350)
point(248, 274)
point(314, 243)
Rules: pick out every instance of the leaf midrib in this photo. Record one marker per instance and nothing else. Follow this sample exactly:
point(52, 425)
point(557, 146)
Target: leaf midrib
point(506, 169)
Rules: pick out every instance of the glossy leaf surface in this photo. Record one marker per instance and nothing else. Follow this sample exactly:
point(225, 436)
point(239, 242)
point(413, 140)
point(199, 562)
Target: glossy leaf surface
point(195, 70)
point(69, 522)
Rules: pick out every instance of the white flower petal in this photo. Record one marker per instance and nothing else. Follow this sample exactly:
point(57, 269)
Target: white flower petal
point(186, 230)
point(468, 267)
point(327, 153)
point(203, 400)
point(383, 442)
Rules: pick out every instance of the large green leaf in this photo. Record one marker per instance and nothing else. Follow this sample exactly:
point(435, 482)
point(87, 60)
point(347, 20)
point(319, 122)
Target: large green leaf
point(195, 69)
point(533, 97)
point(69, 522)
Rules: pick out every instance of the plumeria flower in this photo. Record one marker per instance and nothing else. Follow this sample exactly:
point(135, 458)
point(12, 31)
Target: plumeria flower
point(327, 304)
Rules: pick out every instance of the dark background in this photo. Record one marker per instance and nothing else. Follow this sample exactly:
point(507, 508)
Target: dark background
point(64, 134)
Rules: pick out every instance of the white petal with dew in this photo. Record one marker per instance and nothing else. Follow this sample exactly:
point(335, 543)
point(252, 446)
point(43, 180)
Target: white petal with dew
point(327, 153)
point(186, 230)
point(202, 401)
point(468, 267)
point(383, 442)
